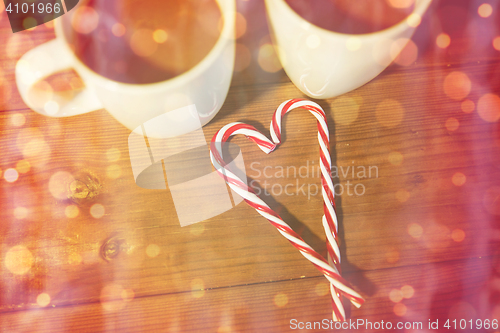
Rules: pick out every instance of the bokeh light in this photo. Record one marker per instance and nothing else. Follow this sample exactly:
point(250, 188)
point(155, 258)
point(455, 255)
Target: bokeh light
point(488, 107)
point(197, 288)
point(400, 309)
point(280, 300)
point(113, 171)
point(71, 211)
point(402, 195)
point(23, 166)
point(97, 211)
point(458, 179)
point(458, 235)
point(415, 230)
point(457, 85)
point(85, 19)
point(18, 119)
point(113, 154)
point(452, 124)
point(111, 297)
point(407, 291)
point(43, 299)
point(396, 295)
point(392, 255)
point(443, 40)
point(345, 110)
point(18, 260)
point(241, 25)
point(268, 59)
point(395, 158)
point(243, 57)
point(322, 289)
point(389, 113)
point(496, 43)
point(118, 29)
point(353, 43)
point(401, 3)
point(59, 183)
point(29, 23)
point(127, 295)
point(467, 106)
point(160, 36)
point(51, 107)
point(485, 10)
point(152, 250)
point(20, 212)
point(404, 52)
point(74, 259)
point(11, 175)
point(414, 20)
point(142, 43)
point(313, 41)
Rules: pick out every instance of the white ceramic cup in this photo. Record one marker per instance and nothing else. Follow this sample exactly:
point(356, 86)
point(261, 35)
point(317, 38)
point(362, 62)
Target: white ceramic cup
point(323, 63)
point(205, 85)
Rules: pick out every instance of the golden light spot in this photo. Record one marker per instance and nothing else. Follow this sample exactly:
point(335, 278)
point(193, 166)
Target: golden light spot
point(443, 40)
point(18, 119)
point(458, 179)
point(404, 52)
point(113, 171)
point(488, 107)
point(389, 113)
point(111, 297)
point(97, 211)
point(48, 24)
point(402, 195)
point(353, 43)
point(243, 57)
point(451, 124)
point(20, 213)
point(415, 230)
point(113, 154)
point(414, 20)
point(160, 36)
point(241, 25)
point(18, 260)
point(23, 166)
point(75, 259)
point(458, 235)
point(457, 85)
point(400, 309)
point(51, 107)
point(400, 3)
point(224, 329)
point(142, 43)
point(345, 110)
point(197, 288)
point(280, 300)
point(392, 255)
point(313, 41)
point(485, 10)
point(43, 299)
point(407, 291)
point(29, 23)
point(71, 211)
point(152, 250)
point(496, 43)
point(396, 295)
point(491, 200)
point(127, 295)
point(197, 229)
point(10, 175)
point(85, 20)
point(322, 289)
point(467, 106)
point(58, 184)
point(268, 59)
point(118, 29)
point(395, 158)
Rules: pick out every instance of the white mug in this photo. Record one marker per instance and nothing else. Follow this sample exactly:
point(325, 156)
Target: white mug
point(323, 63)
point(205, 85)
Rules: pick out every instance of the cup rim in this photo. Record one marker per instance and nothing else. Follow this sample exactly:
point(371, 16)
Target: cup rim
point(419, 9)
point(227, 8)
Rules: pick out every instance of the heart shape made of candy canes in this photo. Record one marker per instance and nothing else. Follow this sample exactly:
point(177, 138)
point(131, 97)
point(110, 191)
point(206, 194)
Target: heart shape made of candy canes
point(331, 267)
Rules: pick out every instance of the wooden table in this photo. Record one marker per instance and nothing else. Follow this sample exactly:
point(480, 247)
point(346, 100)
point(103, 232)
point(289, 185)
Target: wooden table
point(419, 237)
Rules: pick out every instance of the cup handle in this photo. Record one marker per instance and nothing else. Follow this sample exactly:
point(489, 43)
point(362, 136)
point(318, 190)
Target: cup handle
point(43, 61)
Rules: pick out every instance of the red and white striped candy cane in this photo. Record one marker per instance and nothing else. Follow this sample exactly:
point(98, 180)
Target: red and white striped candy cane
point(330, 268)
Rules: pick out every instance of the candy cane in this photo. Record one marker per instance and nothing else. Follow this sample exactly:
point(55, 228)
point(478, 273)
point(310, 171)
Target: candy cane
point(330, 268)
